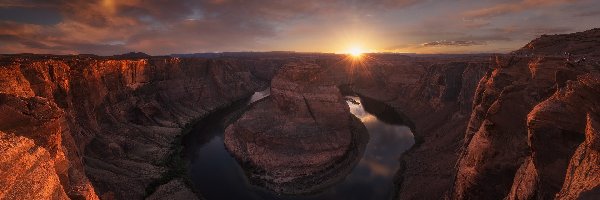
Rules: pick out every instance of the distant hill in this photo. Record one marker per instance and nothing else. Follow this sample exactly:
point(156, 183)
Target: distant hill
point(133, 55)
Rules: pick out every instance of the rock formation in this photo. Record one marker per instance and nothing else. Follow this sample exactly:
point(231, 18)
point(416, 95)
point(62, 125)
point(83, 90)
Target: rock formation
point(112, 121)
point(556, 127)
point(302, 138)
point(28, 172)
point(533, 115)
point(583, 174)
point(38, 123)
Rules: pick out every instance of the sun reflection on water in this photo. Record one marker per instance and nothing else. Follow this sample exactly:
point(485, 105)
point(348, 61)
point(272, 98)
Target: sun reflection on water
point(387, 141)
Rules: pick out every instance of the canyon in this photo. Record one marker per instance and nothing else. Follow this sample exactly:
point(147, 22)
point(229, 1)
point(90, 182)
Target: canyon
point(522, 125)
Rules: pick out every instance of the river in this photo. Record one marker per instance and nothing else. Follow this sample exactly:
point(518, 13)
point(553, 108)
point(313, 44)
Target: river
point(217, 175)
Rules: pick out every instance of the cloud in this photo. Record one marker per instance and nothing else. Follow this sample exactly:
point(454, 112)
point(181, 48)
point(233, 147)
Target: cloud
point(551, 30)
point(506, 8)
point(475, 23)
point(162, 27)
point(588, 13)
point(31, 15)
point(453, 43)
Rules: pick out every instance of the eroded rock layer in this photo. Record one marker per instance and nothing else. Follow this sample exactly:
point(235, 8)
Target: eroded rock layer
point(28, 172)
point(302, 138)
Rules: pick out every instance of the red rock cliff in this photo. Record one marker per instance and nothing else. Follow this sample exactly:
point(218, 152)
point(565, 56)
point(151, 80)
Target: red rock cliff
point(533, 119)
point(92, 127)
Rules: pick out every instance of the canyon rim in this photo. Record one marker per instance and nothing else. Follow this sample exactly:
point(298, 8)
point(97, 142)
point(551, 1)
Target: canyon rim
point(470, 100)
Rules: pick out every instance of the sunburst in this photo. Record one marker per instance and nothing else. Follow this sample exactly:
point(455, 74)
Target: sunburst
point(356, 52)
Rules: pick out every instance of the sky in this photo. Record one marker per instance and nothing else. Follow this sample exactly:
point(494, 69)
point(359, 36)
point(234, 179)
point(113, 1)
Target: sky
point(162, 27)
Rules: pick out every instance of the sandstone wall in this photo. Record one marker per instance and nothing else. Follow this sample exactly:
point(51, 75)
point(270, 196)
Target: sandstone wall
point(532, 117)
point(110, 123)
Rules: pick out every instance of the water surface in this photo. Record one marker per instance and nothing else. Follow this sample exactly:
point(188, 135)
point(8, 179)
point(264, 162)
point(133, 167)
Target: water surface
point(217, 175)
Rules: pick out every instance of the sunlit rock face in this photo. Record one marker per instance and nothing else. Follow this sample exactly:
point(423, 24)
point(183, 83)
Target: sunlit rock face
point(102, 127)
point(302, 138)
point(38, 162)
point(23, 167)
point(532, 128)
point(562, 136)
point(583, 177)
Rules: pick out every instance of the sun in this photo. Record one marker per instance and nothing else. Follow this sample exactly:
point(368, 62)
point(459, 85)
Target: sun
point(355, 52)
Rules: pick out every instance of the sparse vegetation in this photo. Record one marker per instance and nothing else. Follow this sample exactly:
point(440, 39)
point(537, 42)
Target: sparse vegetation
point(174, 162)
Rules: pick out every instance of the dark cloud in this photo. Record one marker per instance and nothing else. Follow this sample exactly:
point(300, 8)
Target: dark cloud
point(37, 15)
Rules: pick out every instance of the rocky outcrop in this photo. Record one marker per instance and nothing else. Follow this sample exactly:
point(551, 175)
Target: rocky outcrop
point(112, 121)
point(583, 174)
point(27, 172)
point(42, 121)
point(576, 44)
point(556, 127)
point(529, 118)
point(175, 189)
point(302, 138)
point(501, 105)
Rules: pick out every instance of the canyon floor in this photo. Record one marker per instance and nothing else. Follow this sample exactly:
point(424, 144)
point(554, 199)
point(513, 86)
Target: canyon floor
point(521, 125)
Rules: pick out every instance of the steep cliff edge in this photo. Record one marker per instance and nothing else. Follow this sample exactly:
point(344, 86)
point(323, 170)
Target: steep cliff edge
point(583, 174)
point(27, 172)
point(528, 119)
point(439, 108)
point(112, 120)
